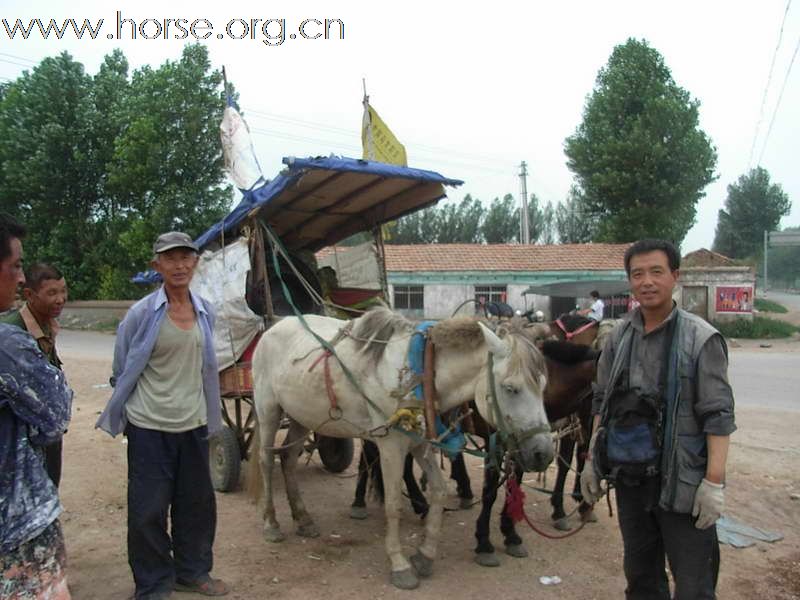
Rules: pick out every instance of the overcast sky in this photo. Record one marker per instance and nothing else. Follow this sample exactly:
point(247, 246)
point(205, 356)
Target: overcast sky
point(471, 89)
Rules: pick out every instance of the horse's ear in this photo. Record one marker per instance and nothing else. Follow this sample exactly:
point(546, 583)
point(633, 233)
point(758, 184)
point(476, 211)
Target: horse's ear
point(496, 346)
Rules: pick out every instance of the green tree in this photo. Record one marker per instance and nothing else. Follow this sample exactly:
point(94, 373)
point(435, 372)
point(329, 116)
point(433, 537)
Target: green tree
point(501, 221)
point(784, 265)
point(50, 169)
point(460, 223)
point(98, 166)
point(639, 155)
point(753, 206)
point(574, 223)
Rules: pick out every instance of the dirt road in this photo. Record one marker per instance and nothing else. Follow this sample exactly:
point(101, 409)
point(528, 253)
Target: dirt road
point(348, 560)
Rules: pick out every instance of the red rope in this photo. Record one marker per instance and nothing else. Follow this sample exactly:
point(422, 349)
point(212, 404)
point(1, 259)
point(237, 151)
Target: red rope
point(515, 507)
point(328, 380)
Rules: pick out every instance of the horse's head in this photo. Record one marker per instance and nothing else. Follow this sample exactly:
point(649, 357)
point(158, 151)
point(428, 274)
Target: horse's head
point(515, 407)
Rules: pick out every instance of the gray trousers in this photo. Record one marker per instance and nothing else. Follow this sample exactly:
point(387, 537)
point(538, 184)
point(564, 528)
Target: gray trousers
point(650, 535)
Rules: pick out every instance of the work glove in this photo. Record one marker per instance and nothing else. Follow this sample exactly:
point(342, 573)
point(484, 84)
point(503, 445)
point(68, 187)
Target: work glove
point(709, 502)
point(591, 486)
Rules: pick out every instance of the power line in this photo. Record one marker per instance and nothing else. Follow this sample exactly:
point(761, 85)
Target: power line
point(778, 104)
point(22, 58)
point(766, 87)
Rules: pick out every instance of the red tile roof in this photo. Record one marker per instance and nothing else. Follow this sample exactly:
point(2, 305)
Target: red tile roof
point(502, 257)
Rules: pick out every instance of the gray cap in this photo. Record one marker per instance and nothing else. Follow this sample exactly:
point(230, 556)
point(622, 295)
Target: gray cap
point(173, 239)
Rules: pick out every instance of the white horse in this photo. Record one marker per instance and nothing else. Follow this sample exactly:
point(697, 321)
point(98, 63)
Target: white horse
point(289, 377)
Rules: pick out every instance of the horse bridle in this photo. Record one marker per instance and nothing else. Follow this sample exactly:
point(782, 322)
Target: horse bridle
point(511, 438)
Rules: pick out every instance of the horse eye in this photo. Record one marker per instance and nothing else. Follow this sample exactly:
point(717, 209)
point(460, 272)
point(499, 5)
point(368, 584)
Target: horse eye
point(510, 389)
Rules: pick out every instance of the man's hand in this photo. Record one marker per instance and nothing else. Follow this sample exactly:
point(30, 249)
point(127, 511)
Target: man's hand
point(709, 503)
point(591, 488)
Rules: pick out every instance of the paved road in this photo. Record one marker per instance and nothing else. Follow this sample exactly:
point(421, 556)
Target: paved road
point(790, 301)
point(758, 378)
point(770, 379)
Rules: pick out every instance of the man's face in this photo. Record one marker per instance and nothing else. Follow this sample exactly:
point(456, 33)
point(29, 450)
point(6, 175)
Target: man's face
point(176, 266)
point(11, 275)
point(651, 280)
point(48, 301)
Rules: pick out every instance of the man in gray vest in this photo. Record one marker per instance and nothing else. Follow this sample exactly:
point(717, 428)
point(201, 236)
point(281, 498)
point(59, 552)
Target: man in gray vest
point(166, 400)
point(663, 416)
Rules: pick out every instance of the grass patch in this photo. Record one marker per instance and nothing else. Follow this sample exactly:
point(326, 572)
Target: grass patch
point(759, 328)
point(769, 306)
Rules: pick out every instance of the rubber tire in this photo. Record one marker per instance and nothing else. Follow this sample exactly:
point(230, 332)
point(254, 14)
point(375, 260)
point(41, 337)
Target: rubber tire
point(224, 460)
point(336, 453)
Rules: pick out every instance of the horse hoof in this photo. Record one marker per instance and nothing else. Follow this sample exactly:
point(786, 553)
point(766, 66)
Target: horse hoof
point(405, 579)
point(487, 559)
point(562, 524)
point(273, 534)
point(358, 512)
point(517, 551)
point(589, 516)
point(309, 530)
point(422, 564)
point(465, 503)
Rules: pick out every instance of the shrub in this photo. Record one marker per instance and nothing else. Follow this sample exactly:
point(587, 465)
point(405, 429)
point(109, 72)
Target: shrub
point(769, 306)
point(758, 328)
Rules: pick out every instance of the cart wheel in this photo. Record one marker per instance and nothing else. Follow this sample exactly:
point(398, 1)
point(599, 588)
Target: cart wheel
point(225, 460)
point(336, 453)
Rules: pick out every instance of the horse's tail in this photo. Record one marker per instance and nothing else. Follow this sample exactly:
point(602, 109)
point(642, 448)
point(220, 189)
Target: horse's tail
point(372, 463)
point(254, 480)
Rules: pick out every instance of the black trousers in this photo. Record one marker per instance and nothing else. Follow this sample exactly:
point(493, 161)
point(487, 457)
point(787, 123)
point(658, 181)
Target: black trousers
point(649, 534)
point(168, 476)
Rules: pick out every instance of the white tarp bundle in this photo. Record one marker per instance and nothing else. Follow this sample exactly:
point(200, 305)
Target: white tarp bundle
point(221, 278)
point(237, 148)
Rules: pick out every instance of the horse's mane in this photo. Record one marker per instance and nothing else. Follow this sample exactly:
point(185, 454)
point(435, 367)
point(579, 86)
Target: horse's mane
point(572, 322)
point(465, 333)
point(567, 352)
point(373, 329)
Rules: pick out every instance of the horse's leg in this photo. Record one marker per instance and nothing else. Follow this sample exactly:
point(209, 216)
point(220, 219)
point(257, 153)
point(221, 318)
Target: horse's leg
point(565, 448)
point(393, 449)
point(484, 551)
point(513, 542)
point(358, 509)
point(418, 501)
point(289, 454)
point(269, 423)
point(423, 559)
point(458, 472)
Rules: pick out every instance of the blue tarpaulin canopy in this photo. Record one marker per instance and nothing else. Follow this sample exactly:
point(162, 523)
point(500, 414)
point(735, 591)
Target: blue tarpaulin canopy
point(317, 202)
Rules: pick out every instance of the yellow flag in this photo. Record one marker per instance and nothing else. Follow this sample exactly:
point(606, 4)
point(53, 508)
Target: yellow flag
point(378, 141)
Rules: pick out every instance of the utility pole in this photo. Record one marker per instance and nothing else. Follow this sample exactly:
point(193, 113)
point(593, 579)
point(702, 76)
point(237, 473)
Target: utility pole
point(766, 244)
point(523, 192)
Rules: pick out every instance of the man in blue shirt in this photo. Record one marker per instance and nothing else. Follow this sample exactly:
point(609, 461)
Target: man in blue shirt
point(35, 405)
point(166, 400)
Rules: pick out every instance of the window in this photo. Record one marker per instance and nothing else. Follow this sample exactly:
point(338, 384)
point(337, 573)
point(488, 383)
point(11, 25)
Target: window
point(490, 293)
point(409, 297)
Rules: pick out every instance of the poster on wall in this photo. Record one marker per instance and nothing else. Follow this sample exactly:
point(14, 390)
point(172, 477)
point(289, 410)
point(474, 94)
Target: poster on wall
point(738, 299)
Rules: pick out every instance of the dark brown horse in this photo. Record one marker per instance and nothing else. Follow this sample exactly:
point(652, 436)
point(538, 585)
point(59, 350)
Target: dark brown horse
point(571, 370)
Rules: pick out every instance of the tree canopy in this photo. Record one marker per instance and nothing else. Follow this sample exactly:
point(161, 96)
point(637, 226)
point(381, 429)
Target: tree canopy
point(754, 205)
point(640, 159)
point(97, 167)
point(470, 222)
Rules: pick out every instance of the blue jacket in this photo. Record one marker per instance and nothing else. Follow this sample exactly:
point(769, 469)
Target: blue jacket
point(35, 405)
point(136, 338)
